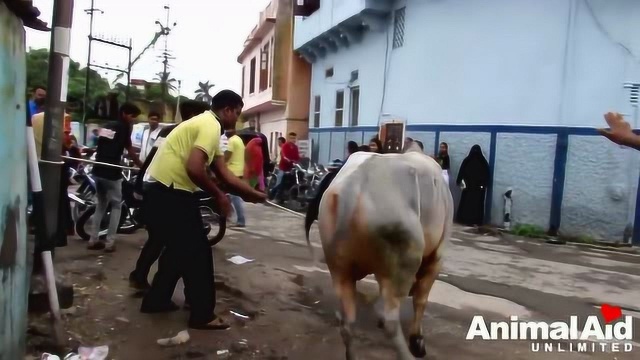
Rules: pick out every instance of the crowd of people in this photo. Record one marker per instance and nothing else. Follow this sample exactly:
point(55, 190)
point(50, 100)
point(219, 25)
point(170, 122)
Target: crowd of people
point(473, 175)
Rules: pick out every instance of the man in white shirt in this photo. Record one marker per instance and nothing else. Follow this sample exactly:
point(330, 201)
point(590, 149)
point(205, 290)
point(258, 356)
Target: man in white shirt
point(150, 135)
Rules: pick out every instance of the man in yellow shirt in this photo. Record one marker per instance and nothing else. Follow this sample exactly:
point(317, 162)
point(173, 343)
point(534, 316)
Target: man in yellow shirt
point(37, 122)
point(234, 157)
point(173, 217)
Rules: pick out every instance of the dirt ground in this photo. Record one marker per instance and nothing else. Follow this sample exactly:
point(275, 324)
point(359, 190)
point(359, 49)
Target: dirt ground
point(280, 307)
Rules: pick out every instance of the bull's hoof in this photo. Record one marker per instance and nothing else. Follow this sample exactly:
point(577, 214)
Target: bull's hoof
point(416, 345)
point(380, 324)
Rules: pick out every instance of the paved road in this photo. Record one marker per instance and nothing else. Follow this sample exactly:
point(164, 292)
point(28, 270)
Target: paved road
point(290, 304)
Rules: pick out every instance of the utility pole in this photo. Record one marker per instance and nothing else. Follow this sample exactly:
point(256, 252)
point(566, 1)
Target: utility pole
point(85, 105)
point(165, 62)
point(165, 31)
point(52, 146)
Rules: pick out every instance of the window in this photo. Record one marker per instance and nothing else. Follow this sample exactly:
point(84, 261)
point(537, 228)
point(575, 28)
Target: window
point(272, 143)
point(398, 28)
point(328, 73)
point(355, 105)
point(339, 107)
point(252, 76)
point(264, 67)
point(354, 76)
point(243, 80)
point(316, 111)
point(273, 54)
point(305, 7)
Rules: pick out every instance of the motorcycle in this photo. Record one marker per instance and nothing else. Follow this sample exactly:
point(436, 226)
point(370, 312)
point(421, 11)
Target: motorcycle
point(300, 184)
point(131, 218)
point(85, 192)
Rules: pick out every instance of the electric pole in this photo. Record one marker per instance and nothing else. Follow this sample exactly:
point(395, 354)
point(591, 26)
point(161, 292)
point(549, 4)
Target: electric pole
point(85, 105)
point(165, 31)
point(52, 165)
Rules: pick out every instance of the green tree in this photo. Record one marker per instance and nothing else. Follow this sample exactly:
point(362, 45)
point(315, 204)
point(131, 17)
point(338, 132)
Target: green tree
point(37, 75)
point(203, 92)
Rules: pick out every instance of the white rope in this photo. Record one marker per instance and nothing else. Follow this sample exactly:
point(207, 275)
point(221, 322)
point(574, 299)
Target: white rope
point(99, 163)
point(282, 208)
point(51, 162)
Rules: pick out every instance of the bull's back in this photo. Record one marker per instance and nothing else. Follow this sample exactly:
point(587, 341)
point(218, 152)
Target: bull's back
point(372, 215)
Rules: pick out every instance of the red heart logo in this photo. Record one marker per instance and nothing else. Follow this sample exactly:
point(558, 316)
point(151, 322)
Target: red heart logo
point(610, 313)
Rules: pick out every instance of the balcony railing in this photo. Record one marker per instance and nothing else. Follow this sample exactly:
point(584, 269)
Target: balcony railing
point(339, 23)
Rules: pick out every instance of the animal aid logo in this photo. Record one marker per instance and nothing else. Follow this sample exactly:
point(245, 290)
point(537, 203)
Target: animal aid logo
point(615, 335)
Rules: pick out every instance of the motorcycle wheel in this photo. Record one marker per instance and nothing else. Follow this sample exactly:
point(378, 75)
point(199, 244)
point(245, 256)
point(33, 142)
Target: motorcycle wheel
point(215, 225)
point(128, 225)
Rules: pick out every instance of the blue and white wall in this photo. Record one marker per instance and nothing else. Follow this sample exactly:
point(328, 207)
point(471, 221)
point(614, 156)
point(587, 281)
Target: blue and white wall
point(528, 80)
point(14, 269)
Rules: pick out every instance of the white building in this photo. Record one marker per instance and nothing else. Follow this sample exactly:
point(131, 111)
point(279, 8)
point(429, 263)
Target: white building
point(528, 80)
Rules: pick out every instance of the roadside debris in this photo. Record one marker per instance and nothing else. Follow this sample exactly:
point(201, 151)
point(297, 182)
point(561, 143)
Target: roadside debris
point(239, 260)
point(91, 353)
point(239, 315)
point(223, 353)
point(181, 338)
point(240, 346)
point(47, 356)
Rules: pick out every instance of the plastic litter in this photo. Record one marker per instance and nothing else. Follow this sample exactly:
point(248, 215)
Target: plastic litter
point(222, 352)
point(92, 353)
point(239, 260)
point(181, 338)
point(47, 356)
point(239, 315)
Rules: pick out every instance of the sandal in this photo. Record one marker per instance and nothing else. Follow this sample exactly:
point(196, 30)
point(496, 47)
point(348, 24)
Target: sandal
point(216, 324)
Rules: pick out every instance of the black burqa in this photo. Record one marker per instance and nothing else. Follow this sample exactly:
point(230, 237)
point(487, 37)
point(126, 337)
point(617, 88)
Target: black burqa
point(474, 171)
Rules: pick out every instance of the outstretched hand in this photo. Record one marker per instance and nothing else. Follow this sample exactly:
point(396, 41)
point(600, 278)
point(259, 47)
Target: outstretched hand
point(619, 130)
point(257, 197)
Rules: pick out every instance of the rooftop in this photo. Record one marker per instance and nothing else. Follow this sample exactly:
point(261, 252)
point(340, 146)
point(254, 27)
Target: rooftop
point(266, 22)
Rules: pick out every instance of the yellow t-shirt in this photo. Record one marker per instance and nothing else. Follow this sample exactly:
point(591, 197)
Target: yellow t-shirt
point(169, 166)
point(37, 123)
point(236, 162)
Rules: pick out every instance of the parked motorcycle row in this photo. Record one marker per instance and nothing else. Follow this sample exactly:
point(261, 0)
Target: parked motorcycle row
point(299, 186)
point(83, 199)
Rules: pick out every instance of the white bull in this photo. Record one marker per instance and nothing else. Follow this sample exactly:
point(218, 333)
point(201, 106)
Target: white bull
point(386, 215)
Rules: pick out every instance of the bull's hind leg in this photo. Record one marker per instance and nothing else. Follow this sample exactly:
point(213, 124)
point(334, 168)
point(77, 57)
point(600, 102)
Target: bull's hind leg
point(425, 278)
point(392, 325)
point(346, 291)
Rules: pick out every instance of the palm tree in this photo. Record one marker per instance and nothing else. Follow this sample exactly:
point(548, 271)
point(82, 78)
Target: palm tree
point(202, 94)
point(166, 82)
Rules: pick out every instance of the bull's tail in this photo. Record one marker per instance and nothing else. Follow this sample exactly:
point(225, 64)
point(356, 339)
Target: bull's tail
point(312, 215)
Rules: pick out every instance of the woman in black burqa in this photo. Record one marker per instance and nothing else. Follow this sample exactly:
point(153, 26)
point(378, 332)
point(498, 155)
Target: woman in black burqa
point(474, 172)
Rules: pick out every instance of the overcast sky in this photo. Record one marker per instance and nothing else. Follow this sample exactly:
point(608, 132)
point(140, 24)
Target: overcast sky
point(206, 42)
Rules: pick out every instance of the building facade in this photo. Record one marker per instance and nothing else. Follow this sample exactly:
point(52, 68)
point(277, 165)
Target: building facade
point(275, 81)
point(527, 80)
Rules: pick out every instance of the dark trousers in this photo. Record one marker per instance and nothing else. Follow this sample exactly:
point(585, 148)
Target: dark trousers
point(150, 251)
point(175, 221)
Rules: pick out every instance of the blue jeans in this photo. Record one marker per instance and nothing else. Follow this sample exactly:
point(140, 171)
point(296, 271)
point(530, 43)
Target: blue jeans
point(276, 189)
point(238, 206)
